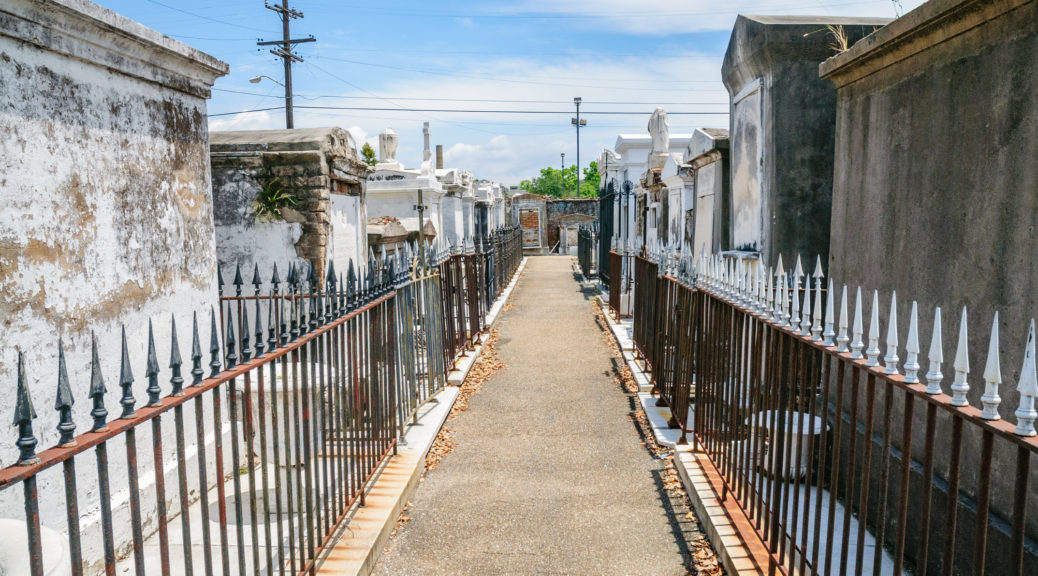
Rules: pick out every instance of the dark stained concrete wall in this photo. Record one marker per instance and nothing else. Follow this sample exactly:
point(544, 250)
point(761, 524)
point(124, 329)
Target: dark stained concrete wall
point(797, 120)
point(936, 193)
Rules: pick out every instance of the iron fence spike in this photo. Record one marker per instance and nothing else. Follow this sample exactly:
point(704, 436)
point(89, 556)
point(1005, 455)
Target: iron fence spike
point(126, 382)
point(872, 352)
point(237, 276)
point(97, 389)
point(830, 316)
point(63, 402)
point(274, 278)
point(936, 356)
point(890, 359)
point(256, 281)
point(992, 377)
point(214, 345)
point(152, 370)
point(196, 352)
point(818, 267)
point(1028, 389)
point(960, 386)
point(259, 331)
point(176, 380)
point(246, 352)
point(805, 322)
point(24, 414)
point(857, 330)
point(230, 343)
point(912, 346)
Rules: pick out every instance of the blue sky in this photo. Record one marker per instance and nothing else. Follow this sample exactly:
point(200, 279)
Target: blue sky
point(618, 55)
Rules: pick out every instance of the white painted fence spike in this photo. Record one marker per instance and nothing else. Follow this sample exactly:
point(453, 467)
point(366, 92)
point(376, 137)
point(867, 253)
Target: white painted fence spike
point(828, 334)
point(856, 329)
point(872, 353)
point(778, 267)
point(912, 346)
point(798, 271)
point(890, 359)
point(841, 338)
point(1028, 389)
point(818, 268)
point(936, 356)
point(961, 365)
point(768, 296)
point(816, 312)
point(992, 377)
point(786, 302)
point(795, 316)
point(805, 322)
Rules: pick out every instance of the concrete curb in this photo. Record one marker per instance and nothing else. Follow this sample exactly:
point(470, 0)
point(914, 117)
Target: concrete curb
point(361, 541)
point(735, 541)
point(738, 547)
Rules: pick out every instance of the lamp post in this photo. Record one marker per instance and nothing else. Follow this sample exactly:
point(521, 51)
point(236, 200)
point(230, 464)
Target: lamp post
point(562, 174)
point(579, 124)
point(289, 123)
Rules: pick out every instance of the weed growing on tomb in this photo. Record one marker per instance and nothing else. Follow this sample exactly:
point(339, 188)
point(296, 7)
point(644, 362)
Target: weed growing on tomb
point(271, 200)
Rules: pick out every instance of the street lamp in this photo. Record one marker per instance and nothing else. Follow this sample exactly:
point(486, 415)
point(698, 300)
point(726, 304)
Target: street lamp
point(562, 175)
point(579, 124)
point(256, 80)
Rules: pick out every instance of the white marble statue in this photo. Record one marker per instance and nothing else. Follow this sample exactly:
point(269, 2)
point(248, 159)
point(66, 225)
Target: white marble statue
point(659, 129)
point(387, 143)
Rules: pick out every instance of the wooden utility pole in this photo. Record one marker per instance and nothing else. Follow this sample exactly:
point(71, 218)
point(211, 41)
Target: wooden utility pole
point(284, 51)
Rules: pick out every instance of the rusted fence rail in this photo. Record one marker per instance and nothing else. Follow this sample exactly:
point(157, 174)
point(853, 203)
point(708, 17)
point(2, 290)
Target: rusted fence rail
point(260, 443)
point(473, 276)
point(845, 459)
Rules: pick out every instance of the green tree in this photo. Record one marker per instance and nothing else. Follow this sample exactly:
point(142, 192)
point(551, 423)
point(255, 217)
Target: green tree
point(369, 154)
point(556, 183)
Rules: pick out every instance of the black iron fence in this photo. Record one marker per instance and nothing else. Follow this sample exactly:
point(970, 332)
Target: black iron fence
point(277, 426)
point(587, 248)
point(473, 276)
point(843, 461)
point(605, 233)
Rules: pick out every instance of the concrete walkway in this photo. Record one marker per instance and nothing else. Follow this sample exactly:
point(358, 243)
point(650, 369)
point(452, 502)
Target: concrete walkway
point(549, 475)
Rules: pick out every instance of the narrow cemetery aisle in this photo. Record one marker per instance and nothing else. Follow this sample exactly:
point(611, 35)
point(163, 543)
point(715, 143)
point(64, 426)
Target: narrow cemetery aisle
point(549, 475)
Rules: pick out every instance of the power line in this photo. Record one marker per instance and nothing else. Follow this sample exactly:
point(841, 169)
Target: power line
point(491, 100)
point(284, 50)
point(579, 16)
point(214, 20)
point(469, 111)
point(510, 80)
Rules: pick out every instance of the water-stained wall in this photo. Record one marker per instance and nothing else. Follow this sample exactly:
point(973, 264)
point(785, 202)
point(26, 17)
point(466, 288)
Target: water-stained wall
point(105, 204)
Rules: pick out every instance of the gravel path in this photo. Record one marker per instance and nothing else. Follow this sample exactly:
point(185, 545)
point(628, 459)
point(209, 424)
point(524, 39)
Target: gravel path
point(549, 475)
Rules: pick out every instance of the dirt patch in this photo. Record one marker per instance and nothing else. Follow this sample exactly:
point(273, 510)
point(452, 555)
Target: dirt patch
point(486, 366)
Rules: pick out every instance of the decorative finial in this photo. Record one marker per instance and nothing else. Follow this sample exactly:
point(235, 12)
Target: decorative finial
point(890, 360)
point(960, 386)
point(936, 356)
point(992, 377)
point(63, 403)
point(1028, 389)
point(912, 347)
point(24, 414)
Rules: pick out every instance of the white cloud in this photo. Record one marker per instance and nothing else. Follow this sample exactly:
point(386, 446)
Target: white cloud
point(662, 17)
point(245, 121)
